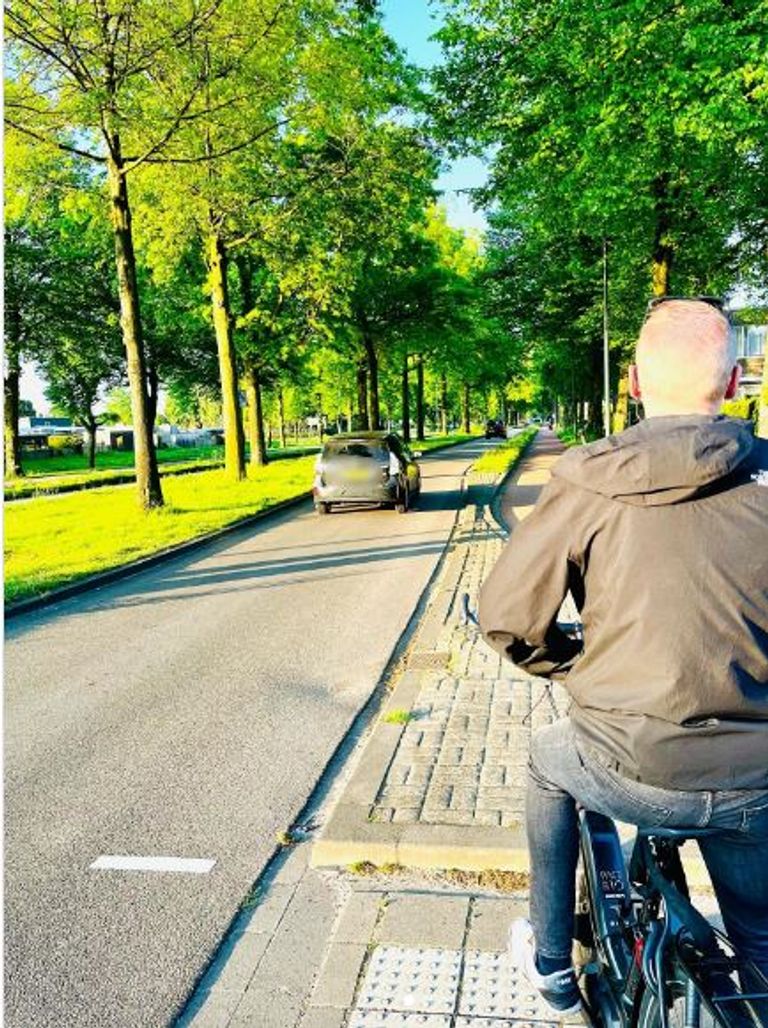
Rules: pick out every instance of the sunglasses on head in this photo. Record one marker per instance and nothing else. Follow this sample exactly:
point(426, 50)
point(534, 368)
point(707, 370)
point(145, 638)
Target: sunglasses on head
point(712, 301)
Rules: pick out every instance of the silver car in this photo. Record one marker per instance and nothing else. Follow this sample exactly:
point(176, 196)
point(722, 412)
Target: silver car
point(366, 467)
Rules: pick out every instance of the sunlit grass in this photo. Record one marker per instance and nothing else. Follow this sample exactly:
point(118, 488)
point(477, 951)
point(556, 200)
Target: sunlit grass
point(52, 541)
point(435, 441)
point(118, 467)
point(501, 458)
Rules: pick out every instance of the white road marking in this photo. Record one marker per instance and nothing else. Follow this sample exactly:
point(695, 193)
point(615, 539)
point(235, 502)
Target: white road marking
point(177, 865)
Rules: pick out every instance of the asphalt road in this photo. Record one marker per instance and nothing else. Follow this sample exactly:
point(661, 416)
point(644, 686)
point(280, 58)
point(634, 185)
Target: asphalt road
point(187, 712)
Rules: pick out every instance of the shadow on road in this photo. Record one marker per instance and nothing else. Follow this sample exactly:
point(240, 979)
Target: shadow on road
point(197, 581)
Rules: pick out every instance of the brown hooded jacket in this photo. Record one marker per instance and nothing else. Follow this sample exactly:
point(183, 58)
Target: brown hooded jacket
point(661, 533)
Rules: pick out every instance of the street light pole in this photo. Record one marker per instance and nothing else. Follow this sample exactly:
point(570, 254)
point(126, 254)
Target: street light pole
point(606, 354)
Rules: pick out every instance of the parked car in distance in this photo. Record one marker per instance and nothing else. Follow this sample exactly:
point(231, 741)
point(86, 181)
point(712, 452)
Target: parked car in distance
point(366, 467)
point(495, 429)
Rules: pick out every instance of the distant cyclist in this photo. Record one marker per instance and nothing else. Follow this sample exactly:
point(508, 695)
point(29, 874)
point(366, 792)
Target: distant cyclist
point(661, 534)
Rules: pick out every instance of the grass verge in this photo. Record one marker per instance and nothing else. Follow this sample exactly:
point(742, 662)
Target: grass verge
point(117, 468)
point(435, 442)
point(69, 473)
point(570, 437)
point(501, 458)
point(53, 541)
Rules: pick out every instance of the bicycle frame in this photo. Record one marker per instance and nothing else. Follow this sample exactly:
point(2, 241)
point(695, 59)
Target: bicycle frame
point(650, 937)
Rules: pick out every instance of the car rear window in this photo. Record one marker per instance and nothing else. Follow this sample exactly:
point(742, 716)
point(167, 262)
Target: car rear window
point(370, 448)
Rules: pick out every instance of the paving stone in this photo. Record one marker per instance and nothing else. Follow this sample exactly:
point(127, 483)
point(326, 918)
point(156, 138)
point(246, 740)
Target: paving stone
point(235, 962)
point(392, 1019)
point(210, 1010)
point(411, 980)
point(292, 865)
point(287, 970)
point(358, 917)
point(401, 796)
point(268, 909)
point(486, 818)
point(492, 987)
point(495, 1022)
point(335, 986)
point(405, 815)
point(323, 1017)
point(490, 921)
point(443, 816)
point(413, 919)
point(267, 1006)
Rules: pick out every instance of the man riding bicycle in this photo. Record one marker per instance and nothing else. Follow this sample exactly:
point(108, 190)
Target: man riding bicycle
point(660, 533)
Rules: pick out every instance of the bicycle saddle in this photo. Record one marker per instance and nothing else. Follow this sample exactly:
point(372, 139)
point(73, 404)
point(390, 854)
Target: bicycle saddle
point(676, 833)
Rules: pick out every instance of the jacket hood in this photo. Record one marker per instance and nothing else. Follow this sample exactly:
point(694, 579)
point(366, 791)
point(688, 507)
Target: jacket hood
point(660, 460)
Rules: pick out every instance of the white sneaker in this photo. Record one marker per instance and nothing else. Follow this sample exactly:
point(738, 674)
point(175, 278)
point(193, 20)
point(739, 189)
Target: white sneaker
point(558, 989)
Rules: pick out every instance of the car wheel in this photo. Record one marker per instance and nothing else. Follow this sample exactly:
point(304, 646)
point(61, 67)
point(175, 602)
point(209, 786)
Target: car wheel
point(323, 508)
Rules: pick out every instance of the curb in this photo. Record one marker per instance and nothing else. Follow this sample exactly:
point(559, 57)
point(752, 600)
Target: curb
point(135, 567)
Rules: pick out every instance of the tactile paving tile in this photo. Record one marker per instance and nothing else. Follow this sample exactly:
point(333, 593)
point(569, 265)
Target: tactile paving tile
point(495, 1022)
point(394, 1019)
point(492, 987)
point(406, 980)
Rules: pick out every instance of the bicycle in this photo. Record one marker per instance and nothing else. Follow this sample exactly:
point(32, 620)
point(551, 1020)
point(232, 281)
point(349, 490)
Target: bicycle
point(657, 962)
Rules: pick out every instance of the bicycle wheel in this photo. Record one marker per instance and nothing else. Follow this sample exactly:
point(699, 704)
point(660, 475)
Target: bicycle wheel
point(649, 1015)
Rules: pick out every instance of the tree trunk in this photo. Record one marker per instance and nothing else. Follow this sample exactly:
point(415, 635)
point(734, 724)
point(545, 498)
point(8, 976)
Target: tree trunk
point(466, 413)
point(281, 418)
point(443, 404)
point(663, 251)
point(145, 459)
point(90, 428)
point(255, 416)
point(406, 402)
point(153, 390)
point(420, 398)
point(13, 466)
point(373, 378)
point(234, 441)
point(621, 414)
point(362, 395)
point(762, 408)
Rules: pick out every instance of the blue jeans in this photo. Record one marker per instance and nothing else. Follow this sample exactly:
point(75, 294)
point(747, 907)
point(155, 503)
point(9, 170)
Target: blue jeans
point(560, 774)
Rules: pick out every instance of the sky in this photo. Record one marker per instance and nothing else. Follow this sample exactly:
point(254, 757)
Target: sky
point(410, 23)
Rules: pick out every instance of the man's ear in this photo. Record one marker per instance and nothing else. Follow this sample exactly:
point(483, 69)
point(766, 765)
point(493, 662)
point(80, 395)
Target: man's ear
point(733, 382)
point(634, 382)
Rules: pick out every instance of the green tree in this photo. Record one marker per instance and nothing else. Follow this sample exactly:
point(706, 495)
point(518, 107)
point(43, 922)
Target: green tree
point(106, 83)
point(611, 122)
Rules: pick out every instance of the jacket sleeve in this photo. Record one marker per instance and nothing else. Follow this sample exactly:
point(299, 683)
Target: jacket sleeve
point(521, 597)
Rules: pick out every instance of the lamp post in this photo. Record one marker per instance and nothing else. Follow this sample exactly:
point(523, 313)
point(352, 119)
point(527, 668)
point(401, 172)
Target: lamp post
point(606, 354)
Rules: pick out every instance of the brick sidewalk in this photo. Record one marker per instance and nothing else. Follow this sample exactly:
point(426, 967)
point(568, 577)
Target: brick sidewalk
point(458, 762)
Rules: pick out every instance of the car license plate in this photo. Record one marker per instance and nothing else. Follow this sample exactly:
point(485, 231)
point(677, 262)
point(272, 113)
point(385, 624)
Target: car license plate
point(358, 476)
